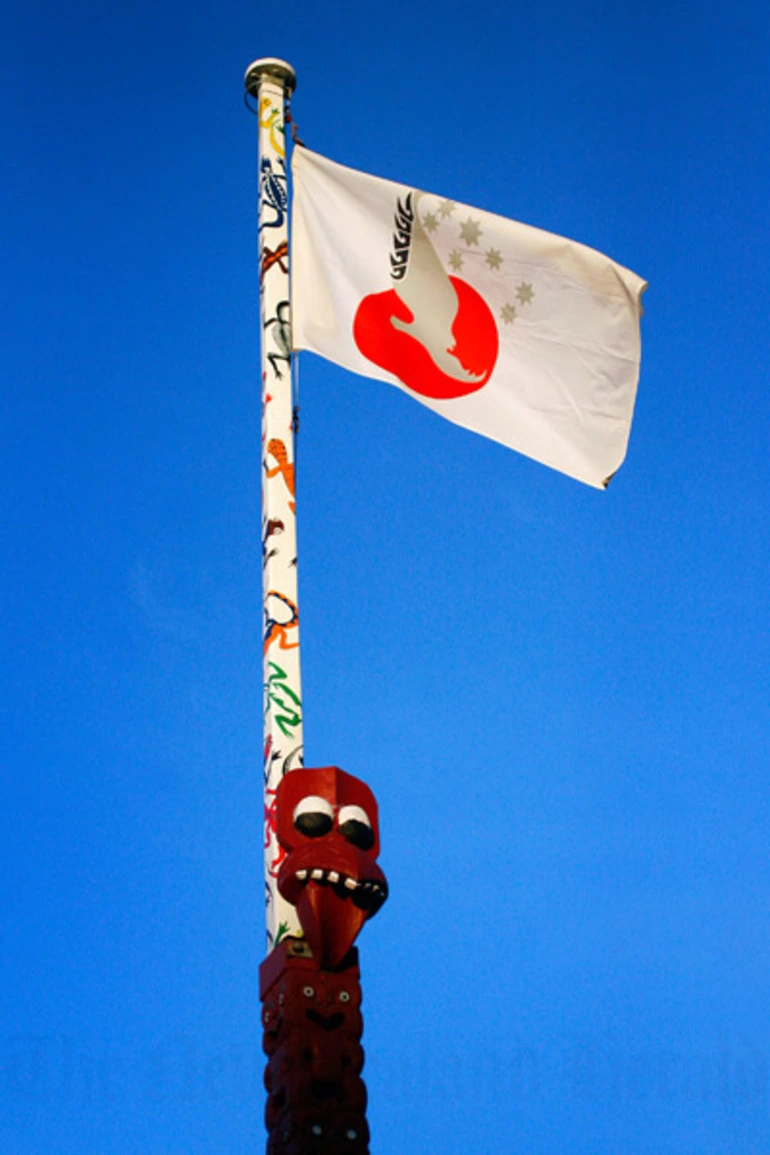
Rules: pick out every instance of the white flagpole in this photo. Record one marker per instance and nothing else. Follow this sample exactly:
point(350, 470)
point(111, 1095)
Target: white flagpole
point(270, 82)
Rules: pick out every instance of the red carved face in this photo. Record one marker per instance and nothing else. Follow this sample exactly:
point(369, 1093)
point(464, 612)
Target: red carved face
point(327, 821)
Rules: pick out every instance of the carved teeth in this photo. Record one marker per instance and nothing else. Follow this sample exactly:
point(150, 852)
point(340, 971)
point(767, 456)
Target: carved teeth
point(375, 890)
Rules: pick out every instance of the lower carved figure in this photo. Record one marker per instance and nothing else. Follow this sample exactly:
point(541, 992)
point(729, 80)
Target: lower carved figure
point(327, 827)
point(312, 1037)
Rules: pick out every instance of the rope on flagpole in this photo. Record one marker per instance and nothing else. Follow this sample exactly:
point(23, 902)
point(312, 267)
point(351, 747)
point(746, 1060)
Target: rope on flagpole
point(294, 131)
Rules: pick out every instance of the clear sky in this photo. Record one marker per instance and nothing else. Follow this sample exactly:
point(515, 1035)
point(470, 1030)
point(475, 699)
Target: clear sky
point(558, 695)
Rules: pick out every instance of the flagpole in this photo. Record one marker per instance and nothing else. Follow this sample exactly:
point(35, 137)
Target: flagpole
point(270, 82)
point(321, 832)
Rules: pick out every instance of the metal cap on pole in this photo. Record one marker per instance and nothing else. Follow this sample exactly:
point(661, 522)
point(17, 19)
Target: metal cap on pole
point(272, 67)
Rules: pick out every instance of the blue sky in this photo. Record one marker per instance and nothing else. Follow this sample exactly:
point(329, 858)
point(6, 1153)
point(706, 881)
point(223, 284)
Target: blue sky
point(558, 696)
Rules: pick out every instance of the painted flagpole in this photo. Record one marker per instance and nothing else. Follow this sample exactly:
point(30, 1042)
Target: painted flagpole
point(270, 83)
point(321, 833)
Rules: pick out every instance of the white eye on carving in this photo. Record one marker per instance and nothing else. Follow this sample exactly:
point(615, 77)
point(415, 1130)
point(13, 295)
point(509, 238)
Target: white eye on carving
point(313, 816)
point(356, 826)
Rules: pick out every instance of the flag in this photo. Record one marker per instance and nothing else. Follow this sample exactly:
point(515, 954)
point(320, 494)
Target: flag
point(523, 336)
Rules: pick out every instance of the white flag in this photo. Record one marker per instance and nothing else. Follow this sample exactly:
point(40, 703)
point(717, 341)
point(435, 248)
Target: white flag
point(520, 335)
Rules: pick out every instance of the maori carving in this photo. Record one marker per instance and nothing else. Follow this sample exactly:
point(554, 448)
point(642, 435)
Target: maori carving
point(312, 1030)
point(327, 824)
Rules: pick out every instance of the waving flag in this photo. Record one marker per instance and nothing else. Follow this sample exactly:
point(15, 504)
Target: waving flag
point(523, 336)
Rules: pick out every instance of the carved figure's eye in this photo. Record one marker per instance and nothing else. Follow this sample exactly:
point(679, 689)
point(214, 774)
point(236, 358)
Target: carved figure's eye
point(313, 816)
point(356, 827)
point(308, 992)
point(344, 997)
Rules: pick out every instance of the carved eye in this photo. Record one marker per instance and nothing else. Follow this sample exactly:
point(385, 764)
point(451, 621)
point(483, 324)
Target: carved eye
point(308, 992)
point(313, 816)
point(344, 997)
point(356, 827)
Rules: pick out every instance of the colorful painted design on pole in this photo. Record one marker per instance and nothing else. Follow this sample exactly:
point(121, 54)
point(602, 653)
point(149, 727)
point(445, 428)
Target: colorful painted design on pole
point(280, 639)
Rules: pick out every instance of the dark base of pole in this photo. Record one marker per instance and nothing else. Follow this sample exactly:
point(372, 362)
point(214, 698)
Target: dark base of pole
point(312, 1037)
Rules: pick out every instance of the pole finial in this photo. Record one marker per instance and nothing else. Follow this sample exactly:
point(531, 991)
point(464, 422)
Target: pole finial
point(274, 69)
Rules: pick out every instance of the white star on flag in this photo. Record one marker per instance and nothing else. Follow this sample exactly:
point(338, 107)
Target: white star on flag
point(376, 292)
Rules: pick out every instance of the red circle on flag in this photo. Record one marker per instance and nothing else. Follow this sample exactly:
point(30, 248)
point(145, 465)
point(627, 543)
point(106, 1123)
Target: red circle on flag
point(474, 331)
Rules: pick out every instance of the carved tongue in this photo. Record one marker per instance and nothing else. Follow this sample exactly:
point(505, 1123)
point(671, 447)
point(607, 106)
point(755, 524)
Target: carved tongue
point(330, 922)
